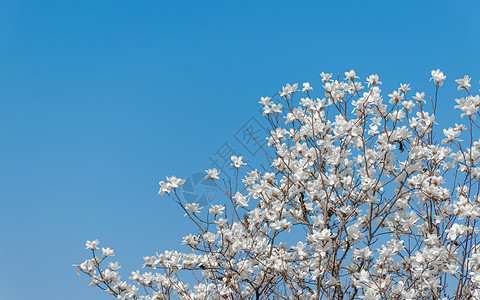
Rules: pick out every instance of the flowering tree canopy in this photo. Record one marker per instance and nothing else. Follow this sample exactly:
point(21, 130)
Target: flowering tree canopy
point(361, 199)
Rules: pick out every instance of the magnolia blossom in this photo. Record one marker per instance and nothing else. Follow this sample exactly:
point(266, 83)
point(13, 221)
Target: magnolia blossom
point(92, 244)
point(326, 76)
point(212, 173)
point(114, 266)
point(395, 97)
point(217, 210)
point(288, 90)
point(469, 106)
point(175, 182)
point(164, 188)
point(404, 88)
point(438, 77)
point(172, 182)
point(107, 252)
point(419, 97)
point(451, 134)
point(350, 76)
point(193, 208)
point(306, 87)
point(372, 80)
point(362, 198)
point(265, 101)
point(463, 83)
point(456, 230)
point(237, 161)
point(240, 199)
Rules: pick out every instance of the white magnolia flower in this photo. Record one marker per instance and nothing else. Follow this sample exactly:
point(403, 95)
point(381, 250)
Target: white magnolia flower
point(463, 83)
point(265, 101)
point(114, 266)
point(216, 210)
point(457, 230)
point(175, 182)
point(288, 90)
point(373, 80)
point(193, 208)
point(240, 199)
point(107, 252)
point(164, 188)
point(237, 161)
point(419, 97)
point(395, 97)
point(404, 87)
point(92, 244)
point(451, 134)
point(350, 75)
point(409, 105)
point(212, 173)
point(438, 77)
point(276, 108)
point(469, 106)
point(326, 76)
point(306, 87)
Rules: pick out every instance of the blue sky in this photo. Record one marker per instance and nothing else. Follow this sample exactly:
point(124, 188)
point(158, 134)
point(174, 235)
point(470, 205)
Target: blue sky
point(99, 100)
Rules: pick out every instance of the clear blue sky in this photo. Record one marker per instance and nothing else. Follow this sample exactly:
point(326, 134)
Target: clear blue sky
point(99, 100)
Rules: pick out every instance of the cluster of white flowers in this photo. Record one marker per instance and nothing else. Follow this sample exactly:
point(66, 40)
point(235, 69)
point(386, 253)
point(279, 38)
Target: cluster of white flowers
point(362, 199)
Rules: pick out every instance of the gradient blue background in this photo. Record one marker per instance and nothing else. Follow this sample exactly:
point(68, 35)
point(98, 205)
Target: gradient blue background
point(99, 100)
